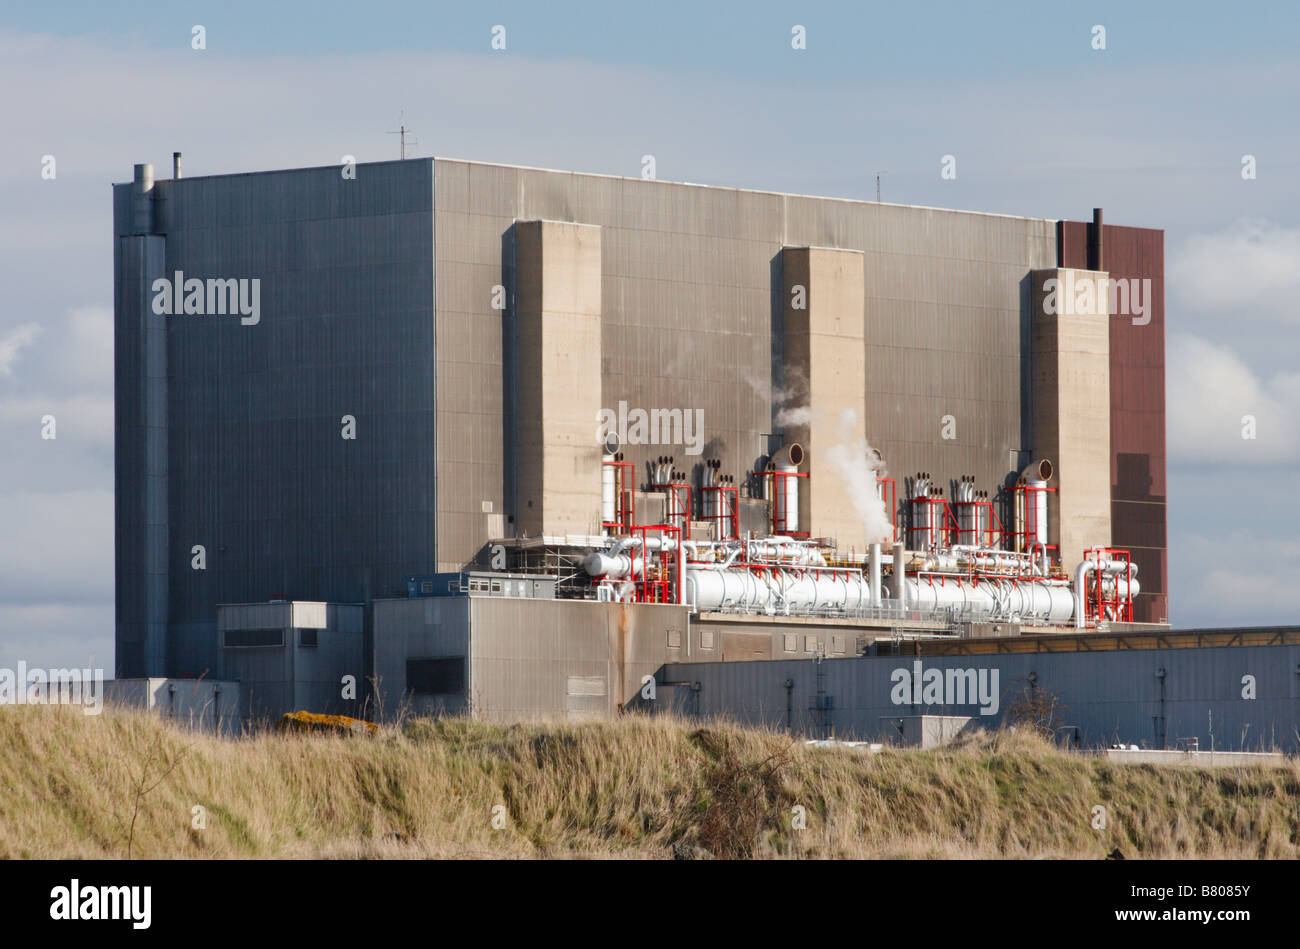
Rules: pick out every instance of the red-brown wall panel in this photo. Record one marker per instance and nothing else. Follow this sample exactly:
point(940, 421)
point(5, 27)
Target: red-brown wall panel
point(1137, 404)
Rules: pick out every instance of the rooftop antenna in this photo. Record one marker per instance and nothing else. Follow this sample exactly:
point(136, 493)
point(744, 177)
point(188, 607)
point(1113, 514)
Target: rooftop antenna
point(878, 174)
point(402, 130)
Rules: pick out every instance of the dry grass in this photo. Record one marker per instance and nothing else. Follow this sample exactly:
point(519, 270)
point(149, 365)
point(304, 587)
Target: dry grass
point(640, 787)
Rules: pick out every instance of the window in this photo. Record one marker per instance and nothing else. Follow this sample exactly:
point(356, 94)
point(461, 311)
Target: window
point(791, 642)
point(435, 676)
point(496, 586)
point(307, 637)
point(252, 638)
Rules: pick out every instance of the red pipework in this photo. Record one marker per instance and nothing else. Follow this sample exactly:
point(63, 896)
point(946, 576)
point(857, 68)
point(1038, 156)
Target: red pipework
point(1028, 502)
point(777, 494)
point(624, 497)
point(891, 502)
point(679, 493)
point(728, 516)
point(666, 581)
point(1120, 606)
point(941, 527)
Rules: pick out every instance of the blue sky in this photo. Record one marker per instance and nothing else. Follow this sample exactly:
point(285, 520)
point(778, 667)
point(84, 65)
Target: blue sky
point(1152, 128)
point(848, 40)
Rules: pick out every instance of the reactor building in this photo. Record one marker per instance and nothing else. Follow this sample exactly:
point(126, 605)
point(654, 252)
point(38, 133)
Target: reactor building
point(456, 436)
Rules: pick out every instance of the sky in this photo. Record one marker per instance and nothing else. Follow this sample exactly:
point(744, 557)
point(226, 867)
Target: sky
point(1154, 127)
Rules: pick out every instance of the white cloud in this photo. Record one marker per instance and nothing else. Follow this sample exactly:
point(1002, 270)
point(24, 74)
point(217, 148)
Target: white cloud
point(1210, 391)
point(86, 419)
point(268, 112)
point(85, 352)
point(67, 373)
point(13, 342)
point(58, 547)
point(1252, 266)
point(1211, 583)
point(57, 635)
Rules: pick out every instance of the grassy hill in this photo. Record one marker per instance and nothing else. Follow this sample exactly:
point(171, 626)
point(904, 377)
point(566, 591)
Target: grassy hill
point(125, 783)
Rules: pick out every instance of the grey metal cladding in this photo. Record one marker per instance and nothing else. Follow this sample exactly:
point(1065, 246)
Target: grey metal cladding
point(139, 496)
point(1115, 695)
point(353, 322)
point(259, 473)
point(689, 316)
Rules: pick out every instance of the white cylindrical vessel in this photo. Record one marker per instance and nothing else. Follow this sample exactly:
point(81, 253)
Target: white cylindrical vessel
point(999, 599)
point(673, 507)
point(1039, 503)
point(779, 591)
point(788, 498)
point(608, 495)
point(615, 566)
point(918, 536)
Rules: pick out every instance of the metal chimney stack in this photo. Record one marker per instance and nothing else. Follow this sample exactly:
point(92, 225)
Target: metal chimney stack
point(176, 165)
point(142, 200)
point(1095, 258)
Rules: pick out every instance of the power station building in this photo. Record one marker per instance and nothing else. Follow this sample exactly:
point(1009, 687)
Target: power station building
point(518, 439)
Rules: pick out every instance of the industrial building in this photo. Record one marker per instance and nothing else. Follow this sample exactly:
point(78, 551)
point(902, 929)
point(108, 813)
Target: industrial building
point(514, 441)
point(1202, 690)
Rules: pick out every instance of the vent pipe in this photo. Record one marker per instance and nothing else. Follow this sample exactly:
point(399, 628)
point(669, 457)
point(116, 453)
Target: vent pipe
point(1095, 259)
point(142, 200)
point(791, 456)
point(874, 574)
point(900, 588)
point(1040, 470)
point(176, 165)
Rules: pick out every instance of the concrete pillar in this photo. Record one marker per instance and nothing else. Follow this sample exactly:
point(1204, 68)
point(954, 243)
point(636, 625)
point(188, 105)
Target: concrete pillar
point(825, 371)
point(1070, 417)
point(557, 377)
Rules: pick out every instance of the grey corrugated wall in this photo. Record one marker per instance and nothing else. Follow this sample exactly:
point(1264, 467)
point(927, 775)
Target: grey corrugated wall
point(1109, 696)
point(259, 472)
point(691, 320)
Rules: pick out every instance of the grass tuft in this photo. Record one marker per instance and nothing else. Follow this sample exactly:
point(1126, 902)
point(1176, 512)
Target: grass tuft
point(124, 782)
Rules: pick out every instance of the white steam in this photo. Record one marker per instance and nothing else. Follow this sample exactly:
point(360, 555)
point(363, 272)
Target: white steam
point(795, 387)
point(856, 463)
point(795, 415)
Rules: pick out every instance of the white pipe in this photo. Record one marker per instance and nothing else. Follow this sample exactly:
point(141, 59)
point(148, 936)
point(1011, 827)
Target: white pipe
point(874, 568)
point(900, 588)
point(1040, 564)
point(1081, 578)
point(651, 543)
point(608, 500)
point(789, 492)
point(1040, 511)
